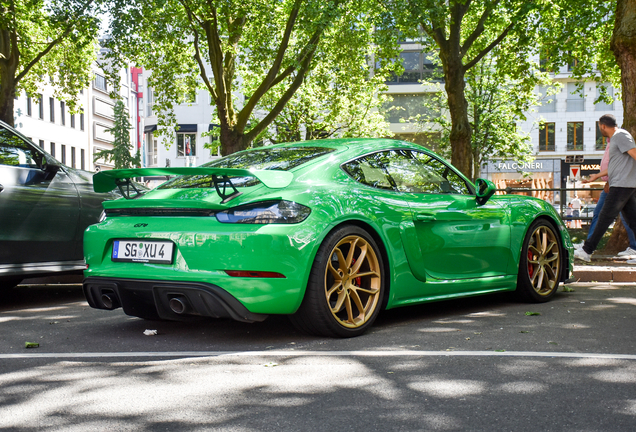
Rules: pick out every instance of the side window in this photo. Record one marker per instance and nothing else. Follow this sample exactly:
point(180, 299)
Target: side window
point(410, 175)
point(369, 170)
point(450, 181)
point(15, 152)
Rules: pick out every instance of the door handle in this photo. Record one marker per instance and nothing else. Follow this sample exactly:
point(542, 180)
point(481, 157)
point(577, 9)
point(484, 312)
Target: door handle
point(423, 217)
point(1, 188)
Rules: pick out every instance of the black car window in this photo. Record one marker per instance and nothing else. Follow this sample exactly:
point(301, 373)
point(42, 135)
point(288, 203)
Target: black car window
point(451, 183)
point(278, 158)
point(411, 175)
point(406, 171)
point(14, 151)
point(370, 170)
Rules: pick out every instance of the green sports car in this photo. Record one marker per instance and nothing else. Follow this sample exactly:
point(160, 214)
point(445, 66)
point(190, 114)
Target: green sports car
point(328, 232)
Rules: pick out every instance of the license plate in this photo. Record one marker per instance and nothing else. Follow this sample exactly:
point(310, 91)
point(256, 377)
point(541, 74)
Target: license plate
point(145, 251)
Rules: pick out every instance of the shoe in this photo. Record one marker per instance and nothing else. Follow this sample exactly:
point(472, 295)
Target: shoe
point(627, 252)
point(579, 245)
point(582, 255)
point(631, 261)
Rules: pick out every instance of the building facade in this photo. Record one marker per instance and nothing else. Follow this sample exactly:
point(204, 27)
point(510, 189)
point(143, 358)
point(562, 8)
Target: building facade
point(73, 138)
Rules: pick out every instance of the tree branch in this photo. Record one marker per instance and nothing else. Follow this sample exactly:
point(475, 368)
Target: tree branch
point(479, 29)
point(489, 48)
point(271, 79)
point(52, 44)
point(192, 18)
point(296, 83)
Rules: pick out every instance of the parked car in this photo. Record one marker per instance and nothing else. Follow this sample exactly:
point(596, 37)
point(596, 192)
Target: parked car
point(45, 207)
point(329, 232)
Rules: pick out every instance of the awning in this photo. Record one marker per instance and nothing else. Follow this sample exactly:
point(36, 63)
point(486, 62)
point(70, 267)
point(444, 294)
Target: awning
point(150, 128)
point(212, 126)
point(187, 128)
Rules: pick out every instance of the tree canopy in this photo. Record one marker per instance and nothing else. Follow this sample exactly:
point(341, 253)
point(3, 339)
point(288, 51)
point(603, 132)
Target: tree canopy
point(53, 40)
point(189, 44)
point(496, 101)
point(463, 32)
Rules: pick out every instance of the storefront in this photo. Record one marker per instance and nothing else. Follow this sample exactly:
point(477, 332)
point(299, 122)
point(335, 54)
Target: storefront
point(587, 168)
point(540, 174)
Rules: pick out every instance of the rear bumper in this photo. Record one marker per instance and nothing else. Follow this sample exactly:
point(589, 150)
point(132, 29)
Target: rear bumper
point(151, 299)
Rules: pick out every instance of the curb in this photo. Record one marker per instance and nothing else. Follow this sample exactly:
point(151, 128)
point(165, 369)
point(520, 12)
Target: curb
point(604, 274)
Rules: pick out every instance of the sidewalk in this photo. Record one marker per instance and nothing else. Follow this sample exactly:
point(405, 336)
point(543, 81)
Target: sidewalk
point(604, 269)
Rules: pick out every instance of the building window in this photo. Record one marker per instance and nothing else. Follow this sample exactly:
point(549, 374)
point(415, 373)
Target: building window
point(576, 98)
point(601, 141)
point(52, 108)
point(572, 65)
point(63, 113)
point(417, 66)
point(607, 88)
point(40, 103)
point(82, 156)
point(186, 144)
point(41, 144)
point(100, 82)
point(73, 121)
point(575, 136)
point(546, 137)
point(63, 153)
point(406, 106)
point(53, 149)
point(152, 150)
point(82, 120)
point(149, 101)
point(188, 98)
point(73, 157)
point(548, 102)
point(29, 108)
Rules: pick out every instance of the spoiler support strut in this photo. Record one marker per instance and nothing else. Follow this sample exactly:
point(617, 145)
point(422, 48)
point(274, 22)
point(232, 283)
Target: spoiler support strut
point(224, 181)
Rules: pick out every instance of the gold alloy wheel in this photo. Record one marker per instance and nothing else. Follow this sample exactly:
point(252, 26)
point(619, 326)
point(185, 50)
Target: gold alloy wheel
point(353, 281)
point(544, 260)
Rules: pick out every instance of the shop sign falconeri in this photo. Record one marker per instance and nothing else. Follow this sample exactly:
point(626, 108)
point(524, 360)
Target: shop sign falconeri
point(545, 165)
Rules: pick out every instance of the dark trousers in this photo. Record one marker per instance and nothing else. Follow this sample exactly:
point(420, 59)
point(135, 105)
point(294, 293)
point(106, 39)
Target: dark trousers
point(618, 200)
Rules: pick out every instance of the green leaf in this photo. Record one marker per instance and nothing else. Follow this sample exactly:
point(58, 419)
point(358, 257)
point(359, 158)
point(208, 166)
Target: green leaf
point(31, 345)
point(532, 313)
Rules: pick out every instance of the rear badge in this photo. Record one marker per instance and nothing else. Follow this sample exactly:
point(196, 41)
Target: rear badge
point(141, 225)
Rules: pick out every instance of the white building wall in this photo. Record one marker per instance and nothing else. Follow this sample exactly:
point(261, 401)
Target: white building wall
point(85, 136)
point(200, 113)
point(57, 133)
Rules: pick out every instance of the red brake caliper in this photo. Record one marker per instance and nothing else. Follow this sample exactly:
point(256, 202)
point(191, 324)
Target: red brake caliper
point(530, 268)
point(358, 279)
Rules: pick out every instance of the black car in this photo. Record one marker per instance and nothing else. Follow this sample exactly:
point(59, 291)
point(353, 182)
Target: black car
point(45, 207)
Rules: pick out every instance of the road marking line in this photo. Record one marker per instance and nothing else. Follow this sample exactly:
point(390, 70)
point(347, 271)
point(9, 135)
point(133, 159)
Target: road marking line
point(285, 353)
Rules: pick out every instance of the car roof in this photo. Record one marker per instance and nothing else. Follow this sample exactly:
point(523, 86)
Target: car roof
point(355, 145)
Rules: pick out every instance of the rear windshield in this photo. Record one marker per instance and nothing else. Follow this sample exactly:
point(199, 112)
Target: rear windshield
point(283, 159)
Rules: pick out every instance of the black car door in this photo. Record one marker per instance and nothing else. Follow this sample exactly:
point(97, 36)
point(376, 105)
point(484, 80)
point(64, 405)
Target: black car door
point(39, 205)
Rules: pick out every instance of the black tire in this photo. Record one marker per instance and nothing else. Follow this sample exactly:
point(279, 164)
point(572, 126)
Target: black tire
point(540, 263)
point(343, 302)
point(9, 283)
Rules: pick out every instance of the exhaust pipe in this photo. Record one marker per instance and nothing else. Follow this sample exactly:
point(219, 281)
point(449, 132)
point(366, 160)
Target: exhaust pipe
point(110, 301)
point(178, 305)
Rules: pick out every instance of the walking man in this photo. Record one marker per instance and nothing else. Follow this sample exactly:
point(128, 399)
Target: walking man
point(621, 173)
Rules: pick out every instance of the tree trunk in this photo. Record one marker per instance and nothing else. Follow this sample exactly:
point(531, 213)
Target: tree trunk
point(231, 139)
point(618, 241)
point(7, 97)
point(460, 135)
point(623, 45)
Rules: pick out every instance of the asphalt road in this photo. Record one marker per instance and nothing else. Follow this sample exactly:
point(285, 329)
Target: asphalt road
point(481, 364)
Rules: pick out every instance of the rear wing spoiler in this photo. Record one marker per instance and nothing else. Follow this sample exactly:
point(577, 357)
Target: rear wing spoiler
point(106, 181)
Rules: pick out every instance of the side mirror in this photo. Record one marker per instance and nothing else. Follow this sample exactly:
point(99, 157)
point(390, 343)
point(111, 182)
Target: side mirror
point(50, 167)
point(485, 189)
